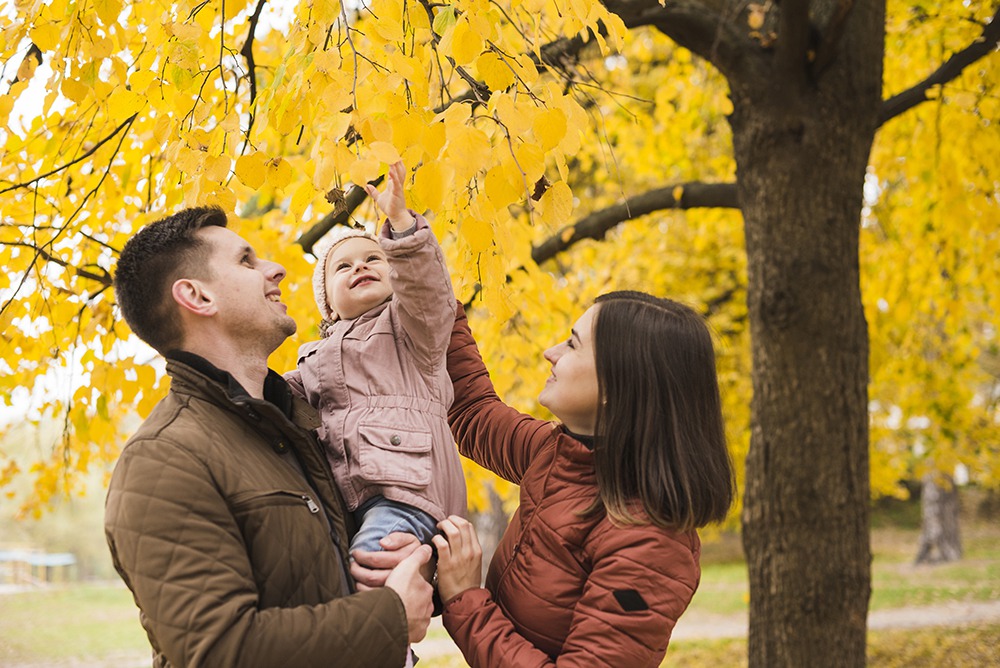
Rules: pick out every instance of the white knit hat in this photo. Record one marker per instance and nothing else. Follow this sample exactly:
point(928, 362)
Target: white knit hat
point(322, 250)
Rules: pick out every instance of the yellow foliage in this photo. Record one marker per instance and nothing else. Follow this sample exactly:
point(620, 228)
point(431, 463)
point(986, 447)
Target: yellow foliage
point(145, 116)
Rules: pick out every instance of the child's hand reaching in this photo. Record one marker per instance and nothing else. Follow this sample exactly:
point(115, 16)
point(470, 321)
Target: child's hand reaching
point(392, 202)
point(460, 557)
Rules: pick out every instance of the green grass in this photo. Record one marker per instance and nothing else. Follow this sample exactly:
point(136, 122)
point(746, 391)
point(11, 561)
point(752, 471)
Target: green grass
point(85, 622)
point(98, 625)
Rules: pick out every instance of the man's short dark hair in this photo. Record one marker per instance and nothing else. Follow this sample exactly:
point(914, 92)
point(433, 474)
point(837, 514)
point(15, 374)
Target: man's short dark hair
point(155, 257)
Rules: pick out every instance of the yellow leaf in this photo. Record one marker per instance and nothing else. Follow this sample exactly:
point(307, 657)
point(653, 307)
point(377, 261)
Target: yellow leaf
point(499, 188)
point(123, 103)
point(430, 183)
point(251, 170)
point(549, 127)
point(469, 149)
point(531, 161)
point(390, 19)
point(384, 151)
point(495, 71)
point(301, 199)
point(74, 90)
point(466, 43)
point(364, 170)
point(677, 193)
point(217, 167)
point(45, 35)
point(477, 233)
point(108, 11)
point(279, 172)
point(557, 204)
point(27, 68)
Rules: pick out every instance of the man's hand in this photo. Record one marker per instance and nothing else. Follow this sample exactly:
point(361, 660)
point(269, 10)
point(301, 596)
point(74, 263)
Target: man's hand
point(460, 557)
point(370, 569)
point(406, 580)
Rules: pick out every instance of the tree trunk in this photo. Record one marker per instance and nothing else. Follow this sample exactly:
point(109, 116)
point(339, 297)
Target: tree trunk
point(939, 537)
point(801, 151)
point(490, 526)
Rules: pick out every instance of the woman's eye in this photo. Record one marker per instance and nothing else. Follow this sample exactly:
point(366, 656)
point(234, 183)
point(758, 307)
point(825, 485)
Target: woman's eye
point(569, 343)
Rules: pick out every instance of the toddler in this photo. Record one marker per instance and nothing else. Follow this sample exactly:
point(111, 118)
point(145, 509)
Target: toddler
point(378, 374)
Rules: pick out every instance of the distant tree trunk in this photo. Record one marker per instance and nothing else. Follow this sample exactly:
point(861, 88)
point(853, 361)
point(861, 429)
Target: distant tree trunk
point(939, 537)
point(802, 149)
point(490, 526)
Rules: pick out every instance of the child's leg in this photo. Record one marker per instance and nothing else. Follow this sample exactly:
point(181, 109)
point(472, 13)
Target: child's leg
point(378, 517)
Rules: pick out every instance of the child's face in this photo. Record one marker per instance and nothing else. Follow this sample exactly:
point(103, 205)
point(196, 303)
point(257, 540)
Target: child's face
point(357, 277)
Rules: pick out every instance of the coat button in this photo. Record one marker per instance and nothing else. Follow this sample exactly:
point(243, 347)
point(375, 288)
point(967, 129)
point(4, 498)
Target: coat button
point(395, 440)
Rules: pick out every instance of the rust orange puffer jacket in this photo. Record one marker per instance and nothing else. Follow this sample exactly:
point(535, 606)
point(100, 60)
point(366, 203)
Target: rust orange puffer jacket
point(562, 590)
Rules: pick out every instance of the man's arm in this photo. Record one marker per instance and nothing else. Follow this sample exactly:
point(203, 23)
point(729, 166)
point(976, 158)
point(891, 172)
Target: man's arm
point(179, 547)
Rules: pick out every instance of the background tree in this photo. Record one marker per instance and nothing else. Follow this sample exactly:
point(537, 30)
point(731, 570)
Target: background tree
point(519, 115)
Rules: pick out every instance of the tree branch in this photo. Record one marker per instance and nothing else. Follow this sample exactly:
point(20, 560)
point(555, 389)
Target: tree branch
point(827, 48)
point(699, 26)
point(793, 42)
point(339, 216)
point(126, 123)
point(983, 46)
point(247, 53)
point(104, 278)
point(597, 224)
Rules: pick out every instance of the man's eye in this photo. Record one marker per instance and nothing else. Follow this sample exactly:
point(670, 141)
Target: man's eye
point(247, 261)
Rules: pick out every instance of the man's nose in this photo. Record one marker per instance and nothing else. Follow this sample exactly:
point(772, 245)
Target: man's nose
point(275, 271)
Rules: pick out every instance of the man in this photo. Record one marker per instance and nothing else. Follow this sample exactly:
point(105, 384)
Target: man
point(222, 517)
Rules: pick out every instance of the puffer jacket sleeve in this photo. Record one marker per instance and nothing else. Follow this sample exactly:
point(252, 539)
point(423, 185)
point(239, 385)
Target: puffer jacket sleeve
point(642, 580)
point(488, 431)
point(194, 583)
point(422, 291)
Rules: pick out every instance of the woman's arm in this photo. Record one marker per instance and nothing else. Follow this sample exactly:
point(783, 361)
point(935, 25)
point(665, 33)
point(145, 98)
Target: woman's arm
point(641, 582)
point(488, 431)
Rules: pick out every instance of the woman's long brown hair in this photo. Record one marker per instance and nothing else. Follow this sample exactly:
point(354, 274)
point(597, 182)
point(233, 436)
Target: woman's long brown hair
point(660, 445)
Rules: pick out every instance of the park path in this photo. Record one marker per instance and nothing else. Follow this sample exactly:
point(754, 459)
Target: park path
point(692, 626)
point(698, 626)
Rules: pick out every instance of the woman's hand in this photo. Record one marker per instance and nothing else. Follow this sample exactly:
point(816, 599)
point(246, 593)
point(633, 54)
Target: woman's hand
point(392, 202)
point(460, 557)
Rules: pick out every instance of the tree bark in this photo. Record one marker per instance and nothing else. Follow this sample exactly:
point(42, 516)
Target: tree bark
point(939, 535)
point(801, 149)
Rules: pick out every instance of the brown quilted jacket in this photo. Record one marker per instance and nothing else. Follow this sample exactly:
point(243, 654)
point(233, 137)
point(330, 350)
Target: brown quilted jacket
point(224, 543)
point(562, 590)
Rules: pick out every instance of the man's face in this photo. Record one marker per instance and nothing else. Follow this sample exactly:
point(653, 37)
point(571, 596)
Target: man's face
point(246, 291)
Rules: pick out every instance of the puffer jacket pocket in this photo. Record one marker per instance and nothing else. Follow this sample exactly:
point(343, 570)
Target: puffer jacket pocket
point(394, 456)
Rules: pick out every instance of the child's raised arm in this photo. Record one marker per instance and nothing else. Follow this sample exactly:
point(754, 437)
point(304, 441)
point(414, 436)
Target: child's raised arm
point(392, 202)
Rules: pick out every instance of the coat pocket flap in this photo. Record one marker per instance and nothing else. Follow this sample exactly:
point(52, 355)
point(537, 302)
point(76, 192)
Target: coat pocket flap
point(395, 439)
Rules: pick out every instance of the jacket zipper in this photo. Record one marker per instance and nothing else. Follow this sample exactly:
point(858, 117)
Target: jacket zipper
point(313, 508)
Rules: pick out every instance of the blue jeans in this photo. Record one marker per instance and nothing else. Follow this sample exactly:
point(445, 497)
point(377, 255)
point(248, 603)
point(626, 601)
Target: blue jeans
point(378, 517)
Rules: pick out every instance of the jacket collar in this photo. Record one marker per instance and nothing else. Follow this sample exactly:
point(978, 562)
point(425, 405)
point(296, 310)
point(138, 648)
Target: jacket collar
point(192, 371)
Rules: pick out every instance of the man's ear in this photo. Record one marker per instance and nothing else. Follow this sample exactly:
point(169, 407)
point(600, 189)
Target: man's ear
point(192, 295)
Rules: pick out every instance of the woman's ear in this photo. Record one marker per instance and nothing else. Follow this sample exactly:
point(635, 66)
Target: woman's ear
point(193, 296)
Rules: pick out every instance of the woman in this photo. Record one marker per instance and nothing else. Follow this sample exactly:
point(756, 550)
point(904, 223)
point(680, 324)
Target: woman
point(601, 558)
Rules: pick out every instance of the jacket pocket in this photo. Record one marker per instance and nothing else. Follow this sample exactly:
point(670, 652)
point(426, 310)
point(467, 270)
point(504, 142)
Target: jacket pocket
point(394, 456)
point(287, 544)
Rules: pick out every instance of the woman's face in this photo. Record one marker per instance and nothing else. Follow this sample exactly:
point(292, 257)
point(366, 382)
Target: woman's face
point(571, 391)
